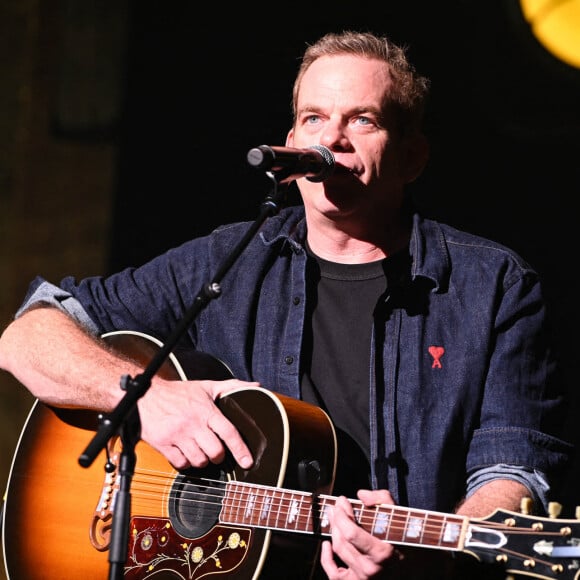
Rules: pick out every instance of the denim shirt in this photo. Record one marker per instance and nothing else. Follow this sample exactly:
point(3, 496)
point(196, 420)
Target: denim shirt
point(466, 379)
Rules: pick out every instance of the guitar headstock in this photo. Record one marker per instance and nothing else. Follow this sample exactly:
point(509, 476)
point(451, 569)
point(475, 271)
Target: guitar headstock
point(537, 547)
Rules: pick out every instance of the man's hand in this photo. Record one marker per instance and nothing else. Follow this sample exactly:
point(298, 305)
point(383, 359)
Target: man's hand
point(182, 421)
point(361, 554)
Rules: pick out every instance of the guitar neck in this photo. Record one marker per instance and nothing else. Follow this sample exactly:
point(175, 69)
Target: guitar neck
point(295, 511)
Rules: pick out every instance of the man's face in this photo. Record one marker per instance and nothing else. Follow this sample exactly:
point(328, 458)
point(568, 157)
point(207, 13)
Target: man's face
point(342, 105)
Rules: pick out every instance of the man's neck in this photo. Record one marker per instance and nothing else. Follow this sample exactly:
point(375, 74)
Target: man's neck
point(335, 244)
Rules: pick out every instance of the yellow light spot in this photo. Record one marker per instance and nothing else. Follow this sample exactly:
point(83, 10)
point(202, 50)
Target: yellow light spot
point(556, 25)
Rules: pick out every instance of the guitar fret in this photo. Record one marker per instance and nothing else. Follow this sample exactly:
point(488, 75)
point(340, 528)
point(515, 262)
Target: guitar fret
point(308, 522)
point(318, 515)
point(416, 528)
point(291, 513)
point(257, 508)
point(292, 518)
point(309, 514)
point(279, 512)
point(227, 503)
point(265, 508)
point(382, 525)
point(405, 526)
point(250, 506)
point(326, 507)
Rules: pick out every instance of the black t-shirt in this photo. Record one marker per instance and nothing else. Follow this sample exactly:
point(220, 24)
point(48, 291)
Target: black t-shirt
point(342, 301)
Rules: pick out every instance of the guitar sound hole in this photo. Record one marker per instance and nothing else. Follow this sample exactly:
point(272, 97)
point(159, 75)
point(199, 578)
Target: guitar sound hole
point(196, 500)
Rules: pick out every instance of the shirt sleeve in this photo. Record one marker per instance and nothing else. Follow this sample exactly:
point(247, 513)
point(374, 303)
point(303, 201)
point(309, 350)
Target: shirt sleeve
point(43, 292)
point(535, 480)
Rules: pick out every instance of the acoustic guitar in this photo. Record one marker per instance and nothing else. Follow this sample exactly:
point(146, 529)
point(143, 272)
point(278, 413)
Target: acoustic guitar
point(223, 522)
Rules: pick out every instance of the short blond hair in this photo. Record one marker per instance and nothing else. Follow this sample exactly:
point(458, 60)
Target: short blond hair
point(410, 90)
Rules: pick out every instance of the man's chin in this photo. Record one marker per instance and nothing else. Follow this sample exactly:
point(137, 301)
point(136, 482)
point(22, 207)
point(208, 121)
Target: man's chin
point(341, 199)
point(336, 209)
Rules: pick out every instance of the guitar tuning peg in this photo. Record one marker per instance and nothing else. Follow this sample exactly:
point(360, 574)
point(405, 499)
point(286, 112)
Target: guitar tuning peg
point(526, 506)
point(577, 512)
point(554, 509)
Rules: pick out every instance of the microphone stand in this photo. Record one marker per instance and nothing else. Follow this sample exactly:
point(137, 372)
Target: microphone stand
point(124, 419)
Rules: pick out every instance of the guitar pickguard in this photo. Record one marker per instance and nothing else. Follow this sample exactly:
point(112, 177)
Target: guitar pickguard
point(155, 547)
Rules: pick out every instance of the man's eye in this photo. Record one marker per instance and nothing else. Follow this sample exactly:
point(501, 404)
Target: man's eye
point(363, 121)
point(311, 119)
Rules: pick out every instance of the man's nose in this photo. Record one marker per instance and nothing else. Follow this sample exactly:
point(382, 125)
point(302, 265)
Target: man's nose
point(335, 136)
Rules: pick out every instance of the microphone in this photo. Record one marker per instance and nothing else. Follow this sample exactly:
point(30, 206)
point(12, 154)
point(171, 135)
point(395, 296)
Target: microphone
point(316, 163)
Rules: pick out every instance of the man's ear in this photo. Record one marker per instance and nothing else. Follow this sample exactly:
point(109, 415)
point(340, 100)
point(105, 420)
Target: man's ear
point(414, 157)
point(290, 138)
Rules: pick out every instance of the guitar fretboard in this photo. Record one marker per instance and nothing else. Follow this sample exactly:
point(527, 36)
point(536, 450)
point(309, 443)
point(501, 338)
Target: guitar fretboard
point(295, 511)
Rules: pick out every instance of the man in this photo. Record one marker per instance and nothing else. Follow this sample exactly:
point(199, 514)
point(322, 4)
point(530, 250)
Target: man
point(428, 347)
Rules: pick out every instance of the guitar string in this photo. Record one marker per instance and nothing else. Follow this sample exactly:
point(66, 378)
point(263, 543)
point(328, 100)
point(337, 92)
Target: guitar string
point(277, 501)
point(282, 507)
point(220, 485)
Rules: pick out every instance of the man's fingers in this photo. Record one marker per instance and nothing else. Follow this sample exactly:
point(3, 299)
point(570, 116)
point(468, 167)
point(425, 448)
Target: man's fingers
point(222, 431)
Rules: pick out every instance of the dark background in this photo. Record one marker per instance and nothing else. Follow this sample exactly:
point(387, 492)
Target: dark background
point(125, 128)
point(503, 120)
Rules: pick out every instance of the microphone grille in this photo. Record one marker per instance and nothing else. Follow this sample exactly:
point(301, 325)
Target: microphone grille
point(328, 166)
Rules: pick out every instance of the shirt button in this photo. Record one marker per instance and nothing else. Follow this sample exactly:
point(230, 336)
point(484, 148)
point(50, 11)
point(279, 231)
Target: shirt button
point(296, 299)
point(289, 360)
